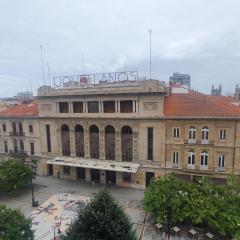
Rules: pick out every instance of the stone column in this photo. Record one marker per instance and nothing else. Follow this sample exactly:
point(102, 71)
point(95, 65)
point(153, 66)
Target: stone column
point(135, 146)
point(102, 154)
point(86, 142)
point(118, 146)
point(72, 141)
point(134, 106)
point(116, 106)
point(87, 174)
point(102, 176)
point(59, 141)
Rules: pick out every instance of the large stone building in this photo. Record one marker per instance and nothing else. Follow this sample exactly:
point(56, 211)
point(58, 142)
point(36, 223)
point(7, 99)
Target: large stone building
point(124, 132)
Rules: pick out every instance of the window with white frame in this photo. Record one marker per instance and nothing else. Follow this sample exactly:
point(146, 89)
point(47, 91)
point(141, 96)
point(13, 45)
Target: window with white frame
point(205, 133)
point(204, 158)
point(191, 157)
point(221, 161)
point(175, 157)
point(176, 132)
point(192, 133)
point(222, 134)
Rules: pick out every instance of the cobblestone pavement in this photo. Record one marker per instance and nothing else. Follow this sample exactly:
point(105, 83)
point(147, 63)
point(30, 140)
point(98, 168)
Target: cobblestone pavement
point(46, 187)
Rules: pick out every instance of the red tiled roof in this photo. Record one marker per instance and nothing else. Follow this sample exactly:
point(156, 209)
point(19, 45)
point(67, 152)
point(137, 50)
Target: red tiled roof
point(195, 104)
point(21, 110)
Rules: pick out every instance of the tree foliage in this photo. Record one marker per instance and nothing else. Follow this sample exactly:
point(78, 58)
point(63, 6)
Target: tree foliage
point(101, 219)
point(13, 174)
point(13, 225)
point(199, 203)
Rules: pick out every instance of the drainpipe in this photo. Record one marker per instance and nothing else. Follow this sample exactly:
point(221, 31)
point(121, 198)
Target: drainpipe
point(234, 145)
point(165, 147)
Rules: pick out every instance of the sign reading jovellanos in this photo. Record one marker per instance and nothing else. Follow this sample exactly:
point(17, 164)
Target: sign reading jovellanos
point(98, 78)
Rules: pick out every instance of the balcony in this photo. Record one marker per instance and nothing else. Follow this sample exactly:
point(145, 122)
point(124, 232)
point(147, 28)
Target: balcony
point(220, 169)
point(191, 141)
point(17, 153)
point(191, 166)
point(204, 167)
point(17, 134)
point(204, 141)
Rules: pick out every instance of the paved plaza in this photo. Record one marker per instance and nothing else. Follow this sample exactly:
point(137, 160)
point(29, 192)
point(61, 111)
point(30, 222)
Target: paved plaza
point(58, 200)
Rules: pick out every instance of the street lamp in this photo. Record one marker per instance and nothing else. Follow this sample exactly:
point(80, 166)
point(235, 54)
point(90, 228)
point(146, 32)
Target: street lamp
point(57, 225)
point(34, 203)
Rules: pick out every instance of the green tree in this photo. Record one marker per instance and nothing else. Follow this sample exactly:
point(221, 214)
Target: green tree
point(201, 203)
point(168, 191)
point(13, 174)
point(101, 219)
point(13, 225)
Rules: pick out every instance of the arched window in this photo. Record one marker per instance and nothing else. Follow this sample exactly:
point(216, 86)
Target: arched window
point(110, 142)
point(191, 157)
point(205, 134)
point(127, 143)
point(65, 140)
point(79, 140)
point(204, 158)
point(192, 133)
point(94, 142)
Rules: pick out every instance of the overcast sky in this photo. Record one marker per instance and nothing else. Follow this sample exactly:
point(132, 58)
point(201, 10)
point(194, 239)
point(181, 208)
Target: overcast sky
point(199, 37)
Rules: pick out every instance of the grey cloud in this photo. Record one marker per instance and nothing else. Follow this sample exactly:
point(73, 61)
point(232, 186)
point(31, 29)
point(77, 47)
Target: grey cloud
point(200, 37)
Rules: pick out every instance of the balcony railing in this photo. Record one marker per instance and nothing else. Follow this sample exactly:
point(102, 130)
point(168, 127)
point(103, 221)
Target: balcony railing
point(17, 134)
point(18, 153)
point(204, 167)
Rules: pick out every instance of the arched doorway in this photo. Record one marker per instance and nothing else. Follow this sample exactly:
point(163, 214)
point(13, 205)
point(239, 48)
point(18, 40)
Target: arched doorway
point(94, 142)
point(127, 143)
point(110, 142)
point(79, 140)
point(65, 140)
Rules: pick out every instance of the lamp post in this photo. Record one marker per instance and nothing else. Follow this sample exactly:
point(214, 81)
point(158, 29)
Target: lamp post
point(34, 203)
point(57, 225)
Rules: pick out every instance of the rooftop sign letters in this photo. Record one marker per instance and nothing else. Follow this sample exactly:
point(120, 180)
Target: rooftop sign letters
point(90, 79)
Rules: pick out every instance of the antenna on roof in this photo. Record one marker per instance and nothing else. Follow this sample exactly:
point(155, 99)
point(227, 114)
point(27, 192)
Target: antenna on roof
point(48, 73)
point(82, 63)
point(42, 65)
point(150, 53)
point(30, 84)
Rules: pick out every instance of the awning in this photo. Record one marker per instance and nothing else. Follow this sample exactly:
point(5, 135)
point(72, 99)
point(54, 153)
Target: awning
point(96, 164)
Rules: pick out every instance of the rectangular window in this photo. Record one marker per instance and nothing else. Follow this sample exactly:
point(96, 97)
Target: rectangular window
point(32, 148)
point(126, 106)
point(127, 177)
point(14, 128)
point(20, 127)
point(191, 158)
point(223, 134)
point(150, 143)
point(21, 146)
point(49, 148)
point(176, 132)
point(4, 127)
point(30, 128)
point(5, 146)
point(78, 107)
point(66, 170)
point(109, 106)
point(192, 133)
point(63, 107)
point(93, 107)
point(221, 161)
point(175, 157)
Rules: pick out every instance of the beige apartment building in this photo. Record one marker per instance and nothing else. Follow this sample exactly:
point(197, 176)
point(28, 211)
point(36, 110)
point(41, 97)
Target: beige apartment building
point(124, 132)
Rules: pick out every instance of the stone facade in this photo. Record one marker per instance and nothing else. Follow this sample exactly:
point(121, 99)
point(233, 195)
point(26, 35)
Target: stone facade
point(160, 143)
